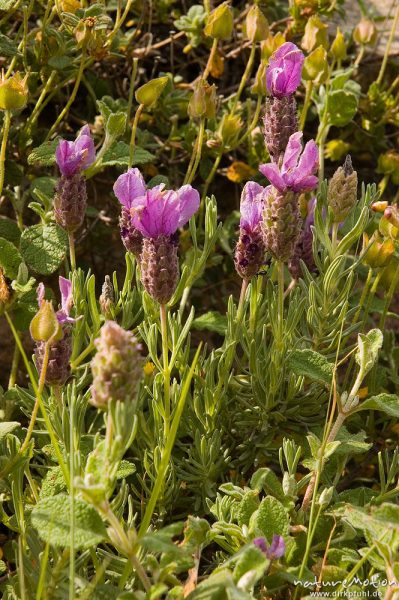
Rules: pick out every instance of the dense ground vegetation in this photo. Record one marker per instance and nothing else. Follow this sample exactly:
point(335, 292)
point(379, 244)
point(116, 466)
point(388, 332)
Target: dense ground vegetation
point(199, 262)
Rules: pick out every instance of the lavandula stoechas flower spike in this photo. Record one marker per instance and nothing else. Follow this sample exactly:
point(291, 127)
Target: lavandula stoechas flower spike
point(250, 248)
point(70, 195)
point(283, 76)
point(58, 368)
point(157, 214)
point(127, 188)
point(281, 217)
point(117, 366)
point(342, 191)
point(304, 246)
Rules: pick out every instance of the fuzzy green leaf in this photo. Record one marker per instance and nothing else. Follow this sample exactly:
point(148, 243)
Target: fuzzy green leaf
point(270, 519)
point(116, 124)
point(342, 107)
point(387, 403)
point(44, 155)
point(312, 365)
point(118, 155)
point(8, 427)
point(10, 258)
point(51, 518)
point(44, 247)
point(368, 348)
point(9, 230)
point(211, 321)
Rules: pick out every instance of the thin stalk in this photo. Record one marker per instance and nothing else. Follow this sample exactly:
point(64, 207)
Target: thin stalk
point(163, 467)
point(43, 569)
point(75, 363)
point(133, 136)
point(245, 77)
point(40, 100)
point(14, 367)
point(280, 304)
point(196, 155)
point(72, 255)
point(131, 90)
point(72, 507)
point(46, 418)
point(253, 123)
point(306, 104)
point(210, 59)
point(388, 46)
point(363, 296)
point(72, 97)
point(166, 369)
point(6, 131)
point(211, 175)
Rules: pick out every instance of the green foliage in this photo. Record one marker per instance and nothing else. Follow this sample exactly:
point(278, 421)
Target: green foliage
point(43, 247)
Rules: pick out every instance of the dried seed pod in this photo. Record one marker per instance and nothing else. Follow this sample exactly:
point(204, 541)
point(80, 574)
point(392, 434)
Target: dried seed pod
point(342, 191)
point(160, 267)
point(280, 122)
point(250, 253)
point(117, 366)
point(281, 225)
point(70, 202)
point(107, 298)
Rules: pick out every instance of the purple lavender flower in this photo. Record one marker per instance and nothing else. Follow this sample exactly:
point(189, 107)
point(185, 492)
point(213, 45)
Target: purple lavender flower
point(296, 173)
point(283, 75)
point(73, 157)
point(276, 548)
point(250, 249)
point(66, 300)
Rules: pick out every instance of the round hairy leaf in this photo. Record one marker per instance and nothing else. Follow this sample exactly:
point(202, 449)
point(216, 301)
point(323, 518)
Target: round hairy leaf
point(9, 230)
point(44, 247)
point(270, 519)
point(342, 107)
point(51, 518)
point(10, 258)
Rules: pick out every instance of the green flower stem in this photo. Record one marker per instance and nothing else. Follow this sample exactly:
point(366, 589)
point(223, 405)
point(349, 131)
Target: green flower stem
point(6, 131)
point(244, 78)
point(163, 467)
point(280, 305)
point(36, 111)
point(253, 123)
point(363, 296)
point(72, 507)
point(72, 97)
point(75, 363)
point(14, 367)
point(211, 175)
point(306, 104)
point(133, 135)
point(119, 22)
point(388, 46)
point(210, 59)
point(196, 155)
point(133, 76)
point(72, 256)
point(46, 418)
point(166, 369)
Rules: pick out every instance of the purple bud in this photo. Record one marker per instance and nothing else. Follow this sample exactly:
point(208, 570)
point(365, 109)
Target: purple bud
point(283, 75)
point(296, 173)
point(276, 548)
point(74, 157)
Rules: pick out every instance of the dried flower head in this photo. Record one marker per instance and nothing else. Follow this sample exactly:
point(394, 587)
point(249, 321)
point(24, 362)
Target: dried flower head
point(250, 249)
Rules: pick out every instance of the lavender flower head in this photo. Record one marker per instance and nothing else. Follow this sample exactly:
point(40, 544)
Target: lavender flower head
point(276, 548)
point(296, 173)
point(71, 196)
point(155, 214)
point(283, 74)
point(250, 249)
point(73, 157)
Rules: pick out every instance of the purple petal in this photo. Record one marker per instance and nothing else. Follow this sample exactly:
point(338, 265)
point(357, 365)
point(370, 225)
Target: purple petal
point(67, 161)
point(129, 186)
point(40, 291)
point(309, 160)
point(189, 201)
point(251, 205)
point(276, 548)
point(76, 156)
point(66, 294)
point(84, 148)
point(284, 71)
point(158, 215)
point(292, 151)
point(306, 184)
point(272, 172)
point(261, 544)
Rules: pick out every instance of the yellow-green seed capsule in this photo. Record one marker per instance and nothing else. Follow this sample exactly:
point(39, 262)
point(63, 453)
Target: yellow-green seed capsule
point(259, 87)
point(13, 92)
point(229, 129)
point(149, 93)
point(315, 67)
point(203, 101)
point(256, 25)
point(316, 34)
point(44, 326)
point(380, 251)
point(219, 24)
point(270, 45)
point(338, 47)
